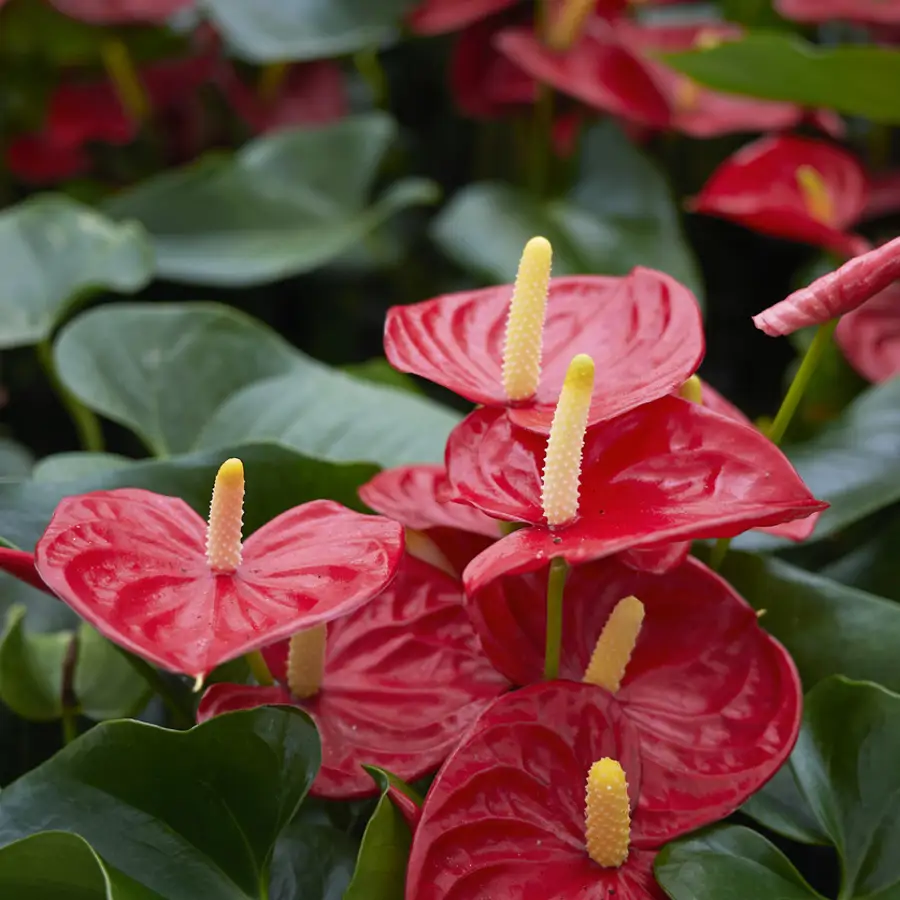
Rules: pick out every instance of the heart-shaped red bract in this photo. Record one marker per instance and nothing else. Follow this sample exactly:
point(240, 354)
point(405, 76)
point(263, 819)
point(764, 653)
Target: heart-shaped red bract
point(667, 471)
point(870, 336)
point(133, 564)
point(644, 333)
point(712, 697)
point(758, 187)
point(405, 675)
point(439, 16)
point(505, 816)
point(111, 12)
point(599, 70)
point(880, 11)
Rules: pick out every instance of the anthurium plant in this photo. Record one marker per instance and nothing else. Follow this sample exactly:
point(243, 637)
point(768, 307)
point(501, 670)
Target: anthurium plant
point(450, 450)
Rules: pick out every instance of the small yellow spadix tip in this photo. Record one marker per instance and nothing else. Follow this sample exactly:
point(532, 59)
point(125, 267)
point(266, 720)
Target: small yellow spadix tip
point(707, 39)
point(567, 27)
point(687, 94)
point(692, 390)
point(226, 518)
point(525, 323)
point(306, 662)
point(615, 645)
point(562, 463)
point(817, 196)
point(607, 816)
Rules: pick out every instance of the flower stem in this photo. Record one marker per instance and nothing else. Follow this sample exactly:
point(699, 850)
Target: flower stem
point(124, 75)
point(368, 64)
point(176, 696)
point(68, 700)
point(556, 582)
point(788, 408)
point(259, 668)
point(90, 434)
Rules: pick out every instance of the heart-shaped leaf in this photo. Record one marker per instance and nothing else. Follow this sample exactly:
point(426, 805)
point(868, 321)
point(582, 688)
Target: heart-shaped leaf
point(75, 464)
point(287, 203)
point(278, 30)
point(619, 215)
point(277, 479)
point(780, 806)
point(53, 253)
point(15, 460)
point(186, 814)
point(106, 686)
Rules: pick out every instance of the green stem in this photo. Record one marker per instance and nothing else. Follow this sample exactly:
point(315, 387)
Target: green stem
point(788, 408)
point(90, 434)
point(259, 668)
point(176, 696)
point(369, 67)
point(556, 582)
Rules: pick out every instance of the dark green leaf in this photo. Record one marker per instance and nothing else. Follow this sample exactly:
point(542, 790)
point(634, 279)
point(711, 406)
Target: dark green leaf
point(15, 460)
point(731, 862)
point(66, 466)
point(287, 203)
point(780, 806)
point(855, 80)
point(379, 371)
point(55, 865)
point(277, 479)
point(53, 252)
point(873, 566)
point(828, 628)
point(105, 685)
point(44, 612)
point(186, 814)
point(619, 215)
point(281, 30)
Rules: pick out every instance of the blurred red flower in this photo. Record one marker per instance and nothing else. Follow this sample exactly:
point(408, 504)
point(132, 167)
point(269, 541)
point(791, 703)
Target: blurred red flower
point(879, 11)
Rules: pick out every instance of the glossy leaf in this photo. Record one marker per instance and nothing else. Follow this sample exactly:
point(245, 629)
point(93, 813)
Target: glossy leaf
point(54, 865)
point(191, 814)
point(707, 691)
point(855, 80)
point(670, 471)
point(277, 30)
point(620, 214)
point(287, 203)
point(76, 464)
point(643, 331)
point(729, 861)
point(54, 252)
point(404, 677)
point(828, 628)
point(15, 460)
point(277, 480)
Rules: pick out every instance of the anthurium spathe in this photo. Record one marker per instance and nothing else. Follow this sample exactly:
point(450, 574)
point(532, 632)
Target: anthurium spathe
point(667, 471)
point(394, 684)
point(794, 188)
point(509, 346)
point(151, 575)
point(439, 16)
point(869, 337)
point(884, 12)
point(540, 801)
point(708, 692)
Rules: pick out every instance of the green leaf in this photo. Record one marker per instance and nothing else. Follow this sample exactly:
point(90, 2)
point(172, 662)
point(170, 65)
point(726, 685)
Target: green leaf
point(44, 612)
point(287, 203)
point(282, 30)
point(54, 865)
point(620, 214)
point(105, 685)
point(277, 479)
point(781, 807)
point(379, 371)
point(31, 669)
point(75, 464)
point(853, 463)
point(15, 460)
point(381, 867)
point(828, 628)
point(53, 253)
point(729, 861)
point(186, 814)
point(855, 80)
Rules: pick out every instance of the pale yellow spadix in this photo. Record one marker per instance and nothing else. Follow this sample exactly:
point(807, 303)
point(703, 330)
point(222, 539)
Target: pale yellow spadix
point(816, 195)
point(692, 390)
point(562, 463)
point(226, 518)
point(306, 662)
point(607, 819)
point(525, 323)
point(567, 27)
point(615, 645)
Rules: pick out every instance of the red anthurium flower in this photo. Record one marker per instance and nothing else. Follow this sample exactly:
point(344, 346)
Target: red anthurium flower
point(439, 16)
point(413, 496)
point(793, 188)
point(148, 573)
point(394, 684)
point(112, 12)
point(20, 565)
point(708, 693)
point(880, 11)
point(870, 336)
point(542, 799)
point(884, 194)
point(668, 471)
point(644, 331)
point(835, 293)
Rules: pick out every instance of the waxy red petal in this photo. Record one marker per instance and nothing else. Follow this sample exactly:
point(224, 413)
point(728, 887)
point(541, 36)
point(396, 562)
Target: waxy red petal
point(668, 471)
point(598, 70)
point(715, 700)
point(133, 564)
point(758, 188)
point(439, 16)
point(505, 816)
point(405, 675)
point(880, 11)
point(644, 333)
point(870, 336)
point(110, 12)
